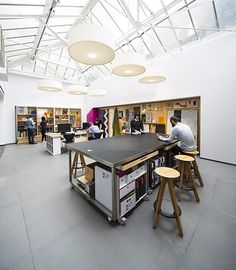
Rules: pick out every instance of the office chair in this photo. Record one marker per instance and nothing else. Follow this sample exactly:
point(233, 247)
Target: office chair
point(68, 138)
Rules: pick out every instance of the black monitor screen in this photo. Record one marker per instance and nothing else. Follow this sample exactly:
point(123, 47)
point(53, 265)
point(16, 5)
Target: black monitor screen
point(85, 125)
point(160, 128)
point(64, 128)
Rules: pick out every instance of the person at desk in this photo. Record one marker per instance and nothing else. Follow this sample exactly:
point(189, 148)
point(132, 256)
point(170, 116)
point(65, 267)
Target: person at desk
point(136, 125)
point(181, 132)
point(93, 131)
point(29, 126)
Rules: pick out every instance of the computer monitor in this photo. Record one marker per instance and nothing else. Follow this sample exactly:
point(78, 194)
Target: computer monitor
point(64, 128)
point(85, 125)
point(160, 128)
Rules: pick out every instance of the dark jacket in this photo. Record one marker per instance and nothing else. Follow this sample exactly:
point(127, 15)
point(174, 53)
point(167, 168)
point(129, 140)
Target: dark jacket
point(136, 125)
point(43, 125)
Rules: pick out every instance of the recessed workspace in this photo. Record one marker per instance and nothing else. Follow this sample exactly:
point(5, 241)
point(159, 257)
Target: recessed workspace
point(117, 135)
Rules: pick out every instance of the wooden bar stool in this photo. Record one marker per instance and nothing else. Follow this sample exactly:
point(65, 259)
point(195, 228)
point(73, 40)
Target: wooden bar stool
point(193, 154)
point(168, 175)
point(76, 161)
point(185, 169)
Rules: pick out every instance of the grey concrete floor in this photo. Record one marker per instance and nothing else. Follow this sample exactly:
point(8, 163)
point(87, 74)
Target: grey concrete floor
point(46, 225)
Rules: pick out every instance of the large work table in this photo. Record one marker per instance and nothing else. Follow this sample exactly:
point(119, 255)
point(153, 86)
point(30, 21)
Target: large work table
point(117, 153)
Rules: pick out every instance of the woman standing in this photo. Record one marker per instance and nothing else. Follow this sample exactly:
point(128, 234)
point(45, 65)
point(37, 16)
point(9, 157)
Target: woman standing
point(43, 125)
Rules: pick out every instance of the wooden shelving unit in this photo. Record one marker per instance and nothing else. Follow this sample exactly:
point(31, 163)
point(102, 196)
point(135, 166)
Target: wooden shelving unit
point(158, 113)
point(54, 116)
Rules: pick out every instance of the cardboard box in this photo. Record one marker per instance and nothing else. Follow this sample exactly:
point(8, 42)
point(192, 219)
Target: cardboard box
point(89, 171)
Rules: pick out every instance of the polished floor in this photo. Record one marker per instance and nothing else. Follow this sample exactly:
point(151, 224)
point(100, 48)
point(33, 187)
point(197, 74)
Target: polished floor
point(45, 225)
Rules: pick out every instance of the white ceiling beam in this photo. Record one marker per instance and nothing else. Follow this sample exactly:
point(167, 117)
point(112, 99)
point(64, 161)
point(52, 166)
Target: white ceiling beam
point(147, 21)
point(55, 63)
point(63, 41)
point(48, 10)
point(40, 76)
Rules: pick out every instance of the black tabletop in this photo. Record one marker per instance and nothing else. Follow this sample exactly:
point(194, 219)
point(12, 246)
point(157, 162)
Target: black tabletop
point(115, 151)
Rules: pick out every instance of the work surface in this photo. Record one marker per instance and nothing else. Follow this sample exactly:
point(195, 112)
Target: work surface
point(118, 150)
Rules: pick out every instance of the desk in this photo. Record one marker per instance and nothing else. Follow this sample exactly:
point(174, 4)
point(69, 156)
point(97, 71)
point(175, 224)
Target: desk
point(117, 153)
point(53, 143)
point(81, 136)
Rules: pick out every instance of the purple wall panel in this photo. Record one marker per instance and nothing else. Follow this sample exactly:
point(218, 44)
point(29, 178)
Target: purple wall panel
point(93, 115)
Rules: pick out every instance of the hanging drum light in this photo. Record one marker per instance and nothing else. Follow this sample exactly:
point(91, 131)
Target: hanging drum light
point(77, 89)
point(50, 85)
point(97, 92)
point(91, 44)
point(128, 64)
point(152, 75)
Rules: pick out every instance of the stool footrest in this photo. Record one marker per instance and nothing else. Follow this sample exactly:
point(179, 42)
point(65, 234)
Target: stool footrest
point(184, 187)
point(168, 215)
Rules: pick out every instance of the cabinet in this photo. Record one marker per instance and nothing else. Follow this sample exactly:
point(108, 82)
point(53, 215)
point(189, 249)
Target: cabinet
point(53, 143)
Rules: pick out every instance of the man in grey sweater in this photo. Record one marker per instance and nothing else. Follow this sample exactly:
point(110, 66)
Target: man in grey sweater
point(181, 132)
point(29, 125)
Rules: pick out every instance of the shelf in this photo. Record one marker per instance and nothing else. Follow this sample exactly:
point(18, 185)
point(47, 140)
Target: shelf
point(133, 179)
point(141, 198)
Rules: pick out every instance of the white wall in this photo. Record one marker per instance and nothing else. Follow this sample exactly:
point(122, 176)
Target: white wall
point(207, 70)
point(23, 91)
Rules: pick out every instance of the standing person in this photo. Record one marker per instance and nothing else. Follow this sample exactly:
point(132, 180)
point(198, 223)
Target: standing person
point(136, 125)
point(181, 132)
point(43, 125)
point(29, 125)
point(93, 131)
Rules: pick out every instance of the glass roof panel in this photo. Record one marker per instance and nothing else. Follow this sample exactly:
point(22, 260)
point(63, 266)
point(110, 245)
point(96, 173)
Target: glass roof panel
point(204, 18)
point(184, 27)
point(166, 34)
point(173, 26)
point(226, 12)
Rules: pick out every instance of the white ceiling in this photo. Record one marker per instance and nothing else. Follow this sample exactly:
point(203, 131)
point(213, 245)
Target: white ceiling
point(35, 31)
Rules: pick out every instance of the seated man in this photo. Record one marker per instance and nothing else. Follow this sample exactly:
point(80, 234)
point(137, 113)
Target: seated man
point(136, 125)
point(181, 132)
point(93, 131)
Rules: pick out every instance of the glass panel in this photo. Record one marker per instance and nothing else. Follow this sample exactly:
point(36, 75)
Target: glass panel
point(203, 18)
point(153, 43)
point(154, 5)
point(21, 10)
point(167, 36)
point(226, 12)
point(182, 20)
point(106, 21)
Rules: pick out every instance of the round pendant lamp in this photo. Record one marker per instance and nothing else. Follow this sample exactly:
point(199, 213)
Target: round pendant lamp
point(152, 75)
point(98, 92)
point(91, 44)
point(77, 89)
point(128, 64)
point(50, 85)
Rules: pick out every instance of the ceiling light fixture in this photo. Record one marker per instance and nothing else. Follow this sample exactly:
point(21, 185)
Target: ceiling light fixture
point(91, 44)
point(50, 85)
point(152, 75)
point(128, 64)
point(77, 89)
point(98, 92)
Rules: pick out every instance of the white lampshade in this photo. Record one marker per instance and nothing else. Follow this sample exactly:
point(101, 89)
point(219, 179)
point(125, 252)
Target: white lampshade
point(152, 75)
point(50, 85)
point(77, 89)
point(91, 44)
point(98, 92)
point(128, 64)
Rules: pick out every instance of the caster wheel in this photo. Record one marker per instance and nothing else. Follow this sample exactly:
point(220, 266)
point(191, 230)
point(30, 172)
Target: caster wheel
point(146, 198)
point(72, 187)
point(109, 219)
point(122, 221)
